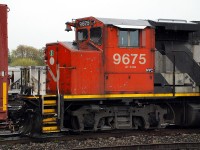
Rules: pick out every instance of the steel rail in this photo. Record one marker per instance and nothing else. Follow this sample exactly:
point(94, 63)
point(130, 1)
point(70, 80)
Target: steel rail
point(168, 146)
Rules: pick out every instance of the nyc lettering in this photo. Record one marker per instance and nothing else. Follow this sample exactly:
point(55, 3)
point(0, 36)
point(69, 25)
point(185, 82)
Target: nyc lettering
point(129, 59)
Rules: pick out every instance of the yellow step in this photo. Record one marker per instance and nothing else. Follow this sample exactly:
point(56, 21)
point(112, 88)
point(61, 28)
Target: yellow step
point(49, 120)
point(50, 123)
point(49, 102)
point(49, 111)
point(47, 96)
point(50, 129)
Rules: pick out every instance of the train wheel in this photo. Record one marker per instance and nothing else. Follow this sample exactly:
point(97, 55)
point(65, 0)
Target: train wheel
point(138, 122)
point(25, 125)
point(74, 123)
point(30, 124)
point(36, 124)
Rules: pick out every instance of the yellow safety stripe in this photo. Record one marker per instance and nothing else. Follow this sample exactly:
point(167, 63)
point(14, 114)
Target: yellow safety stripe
point(187, 94)
point(124, 96)
point(130, 95)
point(4, 96)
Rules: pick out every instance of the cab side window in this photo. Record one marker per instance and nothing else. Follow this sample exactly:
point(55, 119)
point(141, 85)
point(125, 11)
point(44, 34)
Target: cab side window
point(128, 38)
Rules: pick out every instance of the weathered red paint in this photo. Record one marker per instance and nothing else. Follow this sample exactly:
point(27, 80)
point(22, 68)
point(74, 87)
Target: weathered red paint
point(131, 77)
point(78, 72)
point(3, 57)
point(90, 68)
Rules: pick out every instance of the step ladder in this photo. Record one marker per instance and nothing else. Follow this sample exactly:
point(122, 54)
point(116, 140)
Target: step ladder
point(50, 122)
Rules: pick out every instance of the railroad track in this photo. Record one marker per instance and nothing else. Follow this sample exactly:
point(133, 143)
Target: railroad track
point(170, 146)
point(104, 140)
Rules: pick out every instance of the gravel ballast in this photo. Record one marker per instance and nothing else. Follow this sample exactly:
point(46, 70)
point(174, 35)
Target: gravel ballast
point(104, 142)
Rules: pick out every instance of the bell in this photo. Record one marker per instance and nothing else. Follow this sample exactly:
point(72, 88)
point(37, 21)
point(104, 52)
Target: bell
point(68, 28)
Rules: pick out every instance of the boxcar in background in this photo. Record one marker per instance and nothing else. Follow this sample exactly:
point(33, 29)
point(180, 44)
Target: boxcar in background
point(3, 63)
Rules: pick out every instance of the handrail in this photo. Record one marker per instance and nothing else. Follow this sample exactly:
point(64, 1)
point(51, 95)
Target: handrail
point(173, 20)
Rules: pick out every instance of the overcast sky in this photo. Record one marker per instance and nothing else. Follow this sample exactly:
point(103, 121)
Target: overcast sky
point(37, 22)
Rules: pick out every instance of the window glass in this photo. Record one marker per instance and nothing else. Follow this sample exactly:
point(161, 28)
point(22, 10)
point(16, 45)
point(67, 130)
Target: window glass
point(123, 38)
point(134, 38)
point(82, 35)
point(96, 35)
point(129, 38)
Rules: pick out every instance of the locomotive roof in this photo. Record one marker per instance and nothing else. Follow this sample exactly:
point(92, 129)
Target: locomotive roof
point(170, 24)
point(140, 24)
point(125, 22)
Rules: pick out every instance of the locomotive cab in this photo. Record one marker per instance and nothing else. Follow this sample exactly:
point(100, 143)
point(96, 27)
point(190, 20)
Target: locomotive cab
point(105, 52)
point(89, 34)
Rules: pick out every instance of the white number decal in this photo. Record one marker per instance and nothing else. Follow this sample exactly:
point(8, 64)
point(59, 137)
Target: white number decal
point(127, 59)
point(142, 59)
point(117, 59)
point(134, 58)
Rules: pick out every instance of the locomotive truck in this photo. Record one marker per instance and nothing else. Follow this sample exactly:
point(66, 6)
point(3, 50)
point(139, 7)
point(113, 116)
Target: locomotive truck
point(116, 74)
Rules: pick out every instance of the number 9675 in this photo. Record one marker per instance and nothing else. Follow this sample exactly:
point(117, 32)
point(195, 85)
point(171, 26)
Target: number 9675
point(127, 59)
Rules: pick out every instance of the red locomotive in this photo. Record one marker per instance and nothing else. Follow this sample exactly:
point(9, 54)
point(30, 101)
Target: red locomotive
point(126, 74)
point(103, 56)
point(117, 74)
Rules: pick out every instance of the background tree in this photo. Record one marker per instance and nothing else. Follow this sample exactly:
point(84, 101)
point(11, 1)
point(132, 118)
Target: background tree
point(9, 57)
point(40, 58)
point(27, 56)
point(24, 62)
